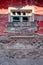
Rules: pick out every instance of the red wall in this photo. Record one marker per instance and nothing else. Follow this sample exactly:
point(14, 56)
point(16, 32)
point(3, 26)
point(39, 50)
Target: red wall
point(4, 4)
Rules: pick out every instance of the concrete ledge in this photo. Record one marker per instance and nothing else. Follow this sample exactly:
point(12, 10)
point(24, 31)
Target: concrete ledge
point(22, 36)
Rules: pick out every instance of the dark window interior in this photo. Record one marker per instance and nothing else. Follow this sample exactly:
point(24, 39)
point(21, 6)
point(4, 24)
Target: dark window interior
point(23, 13)
point(25, 18)
point(15, 18)
point(13, 13)
point(18, 13)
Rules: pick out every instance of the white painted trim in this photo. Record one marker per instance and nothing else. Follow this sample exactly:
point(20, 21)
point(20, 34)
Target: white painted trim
point(23, 8)
point(27, 7)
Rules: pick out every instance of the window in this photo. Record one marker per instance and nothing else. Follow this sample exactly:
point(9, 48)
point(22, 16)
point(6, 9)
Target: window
point(15, 18)
point(24, 13)
point(25, 19)
point(13, 13)
point(30, 11)
point(19, 13)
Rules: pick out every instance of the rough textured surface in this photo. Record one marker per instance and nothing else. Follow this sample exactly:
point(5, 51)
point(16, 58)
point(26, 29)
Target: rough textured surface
point(21, 51)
